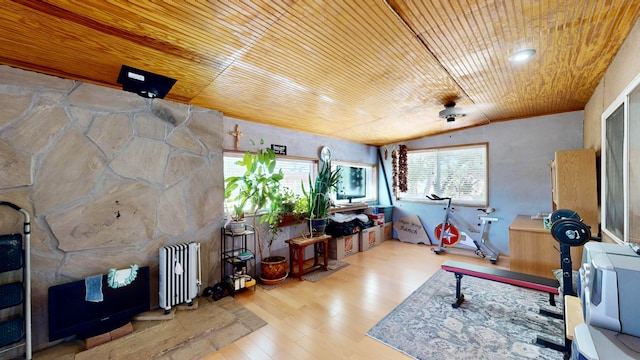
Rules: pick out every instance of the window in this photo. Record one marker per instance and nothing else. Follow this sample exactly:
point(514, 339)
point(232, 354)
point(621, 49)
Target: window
point(621, 172)
point(614, 188)
point(458, 172)
point(357, 182)
point(295, 171)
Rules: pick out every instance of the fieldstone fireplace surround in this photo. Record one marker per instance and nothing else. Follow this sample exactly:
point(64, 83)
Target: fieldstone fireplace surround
point(108, 178)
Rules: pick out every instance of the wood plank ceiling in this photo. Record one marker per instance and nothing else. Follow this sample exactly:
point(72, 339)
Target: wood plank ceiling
point(374, 72)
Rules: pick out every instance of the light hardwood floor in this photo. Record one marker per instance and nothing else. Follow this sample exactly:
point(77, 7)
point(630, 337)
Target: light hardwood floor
point(328, 319)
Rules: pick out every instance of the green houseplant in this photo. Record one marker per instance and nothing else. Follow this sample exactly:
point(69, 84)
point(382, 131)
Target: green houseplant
point(316, 197)
point(236, 223)
point(291, 209)
point(259, 189)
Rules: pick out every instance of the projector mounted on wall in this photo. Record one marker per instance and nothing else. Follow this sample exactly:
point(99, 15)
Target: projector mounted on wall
point(146, 84)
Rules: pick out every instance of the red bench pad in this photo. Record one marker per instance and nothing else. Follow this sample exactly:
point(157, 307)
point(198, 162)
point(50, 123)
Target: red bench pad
point(504, 276)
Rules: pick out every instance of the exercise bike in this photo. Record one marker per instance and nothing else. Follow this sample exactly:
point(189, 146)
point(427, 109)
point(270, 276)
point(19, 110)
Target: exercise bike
point(448, 234)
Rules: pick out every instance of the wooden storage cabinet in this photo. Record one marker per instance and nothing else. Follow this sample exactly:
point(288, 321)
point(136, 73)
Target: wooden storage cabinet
point(574, 184)
point(534, 251)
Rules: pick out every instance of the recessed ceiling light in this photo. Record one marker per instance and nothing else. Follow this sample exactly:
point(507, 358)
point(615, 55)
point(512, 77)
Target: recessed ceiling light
point(522, 55)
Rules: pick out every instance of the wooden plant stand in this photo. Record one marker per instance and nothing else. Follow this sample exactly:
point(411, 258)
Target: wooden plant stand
point(296, 253)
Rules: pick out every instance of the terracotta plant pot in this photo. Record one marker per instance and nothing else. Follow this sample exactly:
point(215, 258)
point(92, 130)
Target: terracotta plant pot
point(274, 267)
point(289, 219)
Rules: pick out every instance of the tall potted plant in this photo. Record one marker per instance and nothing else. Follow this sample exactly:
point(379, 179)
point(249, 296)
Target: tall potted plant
point(259, 188)
point(317, 200)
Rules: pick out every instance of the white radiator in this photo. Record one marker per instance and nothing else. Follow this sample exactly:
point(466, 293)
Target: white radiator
point(180, 274)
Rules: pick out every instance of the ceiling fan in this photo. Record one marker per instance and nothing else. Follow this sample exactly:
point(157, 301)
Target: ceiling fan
point(450, 112)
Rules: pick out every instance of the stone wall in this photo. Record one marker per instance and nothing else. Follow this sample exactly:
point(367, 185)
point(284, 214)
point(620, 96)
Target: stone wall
point(108, 178)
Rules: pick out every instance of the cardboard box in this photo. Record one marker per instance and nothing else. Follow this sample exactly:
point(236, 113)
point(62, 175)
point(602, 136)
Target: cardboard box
point(343, 246)
point(379, 238)
point(370, 238)
point(387, 231)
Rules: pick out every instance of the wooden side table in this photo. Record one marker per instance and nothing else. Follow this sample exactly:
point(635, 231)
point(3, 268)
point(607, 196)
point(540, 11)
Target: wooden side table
point(296, 253)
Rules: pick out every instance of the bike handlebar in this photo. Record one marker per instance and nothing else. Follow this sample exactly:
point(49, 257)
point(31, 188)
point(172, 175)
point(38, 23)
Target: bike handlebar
point(436, 197)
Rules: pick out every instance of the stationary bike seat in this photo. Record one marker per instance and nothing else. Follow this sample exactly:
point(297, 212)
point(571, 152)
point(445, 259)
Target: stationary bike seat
point(487, 210)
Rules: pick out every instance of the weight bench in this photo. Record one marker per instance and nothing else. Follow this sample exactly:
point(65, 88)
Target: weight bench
point(503, 276)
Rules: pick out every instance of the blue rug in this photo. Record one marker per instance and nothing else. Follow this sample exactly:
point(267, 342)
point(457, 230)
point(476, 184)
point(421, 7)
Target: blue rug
point(496, 321)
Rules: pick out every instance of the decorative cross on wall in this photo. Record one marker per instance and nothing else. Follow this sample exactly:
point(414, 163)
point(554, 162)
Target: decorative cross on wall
point(237, 134)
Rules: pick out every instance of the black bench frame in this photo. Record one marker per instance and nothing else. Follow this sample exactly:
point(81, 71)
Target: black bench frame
point(513, 278)
point(499, 275)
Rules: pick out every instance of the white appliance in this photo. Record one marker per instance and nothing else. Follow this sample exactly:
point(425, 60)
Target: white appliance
point(592, 249)
point(592, 343)
point(611, 289)
point(179, 274)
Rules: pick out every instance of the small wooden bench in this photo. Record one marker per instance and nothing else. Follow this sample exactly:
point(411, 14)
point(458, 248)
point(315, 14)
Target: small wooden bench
point(296, 253)
point(499, 275)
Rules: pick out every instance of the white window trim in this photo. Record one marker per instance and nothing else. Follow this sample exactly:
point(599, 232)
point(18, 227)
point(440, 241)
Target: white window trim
point(622, 99)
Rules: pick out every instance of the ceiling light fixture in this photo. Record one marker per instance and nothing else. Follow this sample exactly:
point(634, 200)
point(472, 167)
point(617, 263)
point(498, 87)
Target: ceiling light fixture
point(522, 55)
point(450, 112)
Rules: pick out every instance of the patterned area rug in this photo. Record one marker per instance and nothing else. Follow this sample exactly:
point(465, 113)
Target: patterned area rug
point(334, 265)
point(496, 321)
